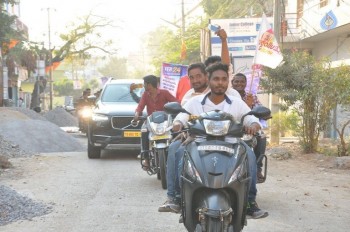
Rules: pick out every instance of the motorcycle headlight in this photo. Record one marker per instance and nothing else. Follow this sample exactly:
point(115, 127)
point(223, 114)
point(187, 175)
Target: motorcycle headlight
point(159, 128)
point(99, 117)
point(86, 112)
point(191, 172)
point(216, 128)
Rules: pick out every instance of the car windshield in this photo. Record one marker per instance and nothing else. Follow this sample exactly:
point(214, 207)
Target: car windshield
point(119, 93)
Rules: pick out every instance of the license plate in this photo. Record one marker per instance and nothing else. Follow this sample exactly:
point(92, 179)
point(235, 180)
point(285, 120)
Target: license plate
point(132, 134)
point(159, 137)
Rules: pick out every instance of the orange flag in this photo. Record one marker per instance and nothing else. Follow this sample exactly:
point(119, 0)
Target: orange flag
point(183, 50)
point(54, 66)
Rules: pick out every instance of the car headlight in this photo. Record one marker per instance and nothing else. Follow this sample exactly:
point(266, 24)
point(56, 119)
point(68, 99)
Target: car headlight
point(99, 118)
point(191, 172)
point(216, 128)
point(159, 128)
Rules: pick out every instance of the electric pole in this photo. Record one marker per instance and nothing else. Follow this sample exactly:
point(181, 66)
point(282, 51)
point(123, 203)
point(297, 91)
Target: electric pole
point(50, 57)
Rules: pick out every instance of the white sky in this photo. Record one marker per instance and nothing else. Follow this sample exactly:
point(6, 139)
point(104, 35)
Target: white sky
point(135, 17)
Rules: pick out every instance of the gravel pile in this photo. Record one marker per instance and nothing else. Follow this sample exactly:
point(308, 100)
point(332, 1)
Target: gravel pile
point(14, 206)
point(61, 117)
point(24, 132)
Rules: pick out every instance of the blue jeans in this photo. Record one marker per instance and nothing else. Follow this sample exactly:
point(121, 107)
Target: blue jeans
point(252, 171)
point(172, 174)
point(251, 165)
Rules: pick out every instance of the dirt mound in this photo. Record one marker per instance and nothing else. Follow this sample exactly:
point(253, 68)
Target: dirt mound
point(33, 133)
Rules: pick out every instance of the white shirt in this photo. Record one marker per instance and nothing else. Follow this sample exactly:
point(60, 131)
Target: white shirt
point(232, 105)
point(191, 93)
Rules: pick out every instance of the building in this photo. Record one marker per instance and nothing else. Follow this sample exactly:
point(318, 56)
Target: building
point(322, 27)
point(12, 75)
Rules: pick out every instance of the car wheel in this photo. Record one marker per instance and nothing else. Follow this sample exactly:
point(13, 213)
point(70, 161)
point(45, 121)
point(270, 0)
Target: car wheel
point(93, 152)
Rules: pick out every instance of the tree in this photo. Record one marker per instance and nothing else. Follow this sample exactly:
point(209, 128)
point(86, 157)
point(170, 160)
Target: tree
point(237, 8)
point(169, 48)
point(116, 67)
point(312, 87)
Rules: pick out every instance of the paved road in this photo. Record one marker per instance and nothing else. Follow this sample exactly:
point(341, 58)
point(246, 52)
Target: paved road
point(114, 194)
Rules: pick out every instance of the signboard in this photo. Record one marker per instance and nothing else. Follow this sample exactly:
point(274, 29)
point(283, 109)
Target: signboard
point(170, 76)
point(241, 36)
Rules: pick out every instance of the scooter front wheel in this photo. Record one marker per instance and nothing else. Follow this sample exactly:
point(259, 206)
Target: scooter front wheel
point(214, 225)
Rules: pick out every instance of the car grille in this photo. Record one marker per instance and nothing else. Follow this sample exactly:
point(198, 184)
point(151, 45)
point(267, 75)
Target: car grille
point(120, 122)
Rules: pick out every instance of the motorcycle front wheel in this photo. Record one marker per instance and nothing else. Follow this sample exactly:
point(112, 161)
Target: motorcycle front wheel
point(162, 167)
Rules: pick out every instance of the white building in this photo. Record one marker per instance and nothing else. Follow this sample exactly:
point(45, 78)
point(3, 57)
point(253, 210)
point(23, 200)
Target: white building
point(323, 27)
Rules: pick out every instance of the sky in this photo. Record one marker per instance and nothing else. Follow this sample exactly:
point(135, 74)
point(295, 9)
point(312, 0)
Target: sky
point(132, 18)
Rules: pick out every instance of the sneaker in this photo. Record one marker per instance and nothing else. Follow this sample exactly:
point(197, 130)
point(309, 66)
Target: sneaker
point(169, 206)
point(254, 212)
point(145, 165)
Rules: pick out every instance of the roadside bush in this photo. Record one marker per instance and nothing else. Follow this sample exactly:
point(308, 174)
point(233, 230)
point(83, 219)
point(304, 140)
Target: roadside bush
point(285, 123)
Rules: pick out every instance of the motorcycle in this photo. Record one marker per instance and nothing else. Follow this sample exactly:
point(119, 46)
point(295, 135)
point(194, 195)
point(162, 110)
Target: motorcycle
point(84, 115)
point(215, 175)
point(159, 125)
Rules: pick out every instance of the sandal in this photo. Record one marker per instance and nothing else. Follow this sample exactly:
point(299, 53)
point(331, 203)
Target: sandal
point(145, 165)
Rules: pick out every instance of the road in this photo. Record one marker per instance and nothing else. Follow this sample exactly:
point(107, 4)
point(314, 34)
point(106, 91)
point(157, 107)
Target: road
point(114, 194)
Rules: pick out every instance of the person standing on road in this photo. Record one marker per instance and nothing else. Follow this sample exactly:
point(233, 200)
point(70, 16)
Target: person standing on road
point(154, 99)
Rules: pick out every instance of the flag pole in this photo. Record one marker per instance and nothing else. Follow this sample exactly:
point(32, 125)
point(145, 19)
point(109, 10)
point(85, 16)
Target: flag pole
point(252, 78)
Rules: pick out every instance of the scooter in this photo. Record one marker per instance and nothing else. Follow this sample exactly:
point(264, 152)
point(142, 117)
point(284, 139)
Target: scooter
point(159, 126)
point(215, 174)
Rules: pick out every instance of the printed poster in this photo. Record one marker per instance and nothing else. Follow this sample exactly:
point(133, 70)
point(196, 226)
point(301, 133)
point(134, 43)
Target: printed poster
point(171, 75)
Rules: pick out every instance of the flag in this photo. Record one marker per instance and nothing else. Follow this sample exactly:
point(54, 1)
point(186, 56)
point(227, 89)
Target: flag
point(54, 66)
point(267, 51)
point(183, 50)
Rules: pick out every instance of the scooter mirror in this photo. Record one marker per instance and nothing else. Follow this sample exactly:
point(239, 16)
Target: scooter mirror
point(174, 108)
point(261, 112)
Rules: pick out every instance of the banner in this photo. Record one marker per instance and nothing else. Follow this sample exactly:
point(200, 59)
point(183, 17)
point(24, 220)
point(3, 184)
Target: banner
point(254, 88)
point(267, 52)
point(171, 75)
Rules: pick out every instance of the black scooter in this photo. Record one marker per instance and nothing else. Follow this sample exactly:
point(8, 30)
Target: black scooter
point(215, 176)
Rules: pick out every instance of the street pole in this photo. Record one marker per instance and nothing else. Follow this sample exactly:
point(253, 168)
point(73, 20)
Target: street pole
point(50, 58)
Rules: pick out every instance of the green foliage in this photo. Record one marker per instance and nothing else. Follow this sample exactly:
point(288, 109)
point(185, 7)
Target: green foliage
point(7, 29)
point(311, 87)
point(116, 67)
point(220, 9)
point(170, 43)
point(285, 123)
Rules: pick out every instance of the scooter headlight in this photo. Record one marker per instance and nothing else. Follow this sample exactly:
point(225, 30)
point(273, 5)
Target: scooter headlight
point(191, 172)
point(216, 128)
point(159, 128)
